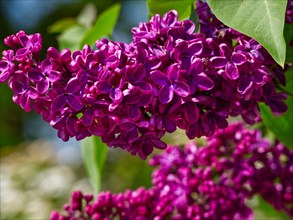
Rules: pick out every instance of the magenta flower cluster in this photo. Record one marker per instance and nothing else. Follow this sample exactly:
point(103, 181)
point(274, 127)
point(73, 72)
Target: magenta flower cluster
point(132, 94)
point(201, 183)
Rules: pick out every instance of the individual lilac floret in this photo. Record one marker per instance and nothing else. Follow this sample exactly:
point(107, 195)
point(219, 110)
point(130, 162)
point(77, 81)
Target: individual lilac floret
point(169, 83)
point(213, 181)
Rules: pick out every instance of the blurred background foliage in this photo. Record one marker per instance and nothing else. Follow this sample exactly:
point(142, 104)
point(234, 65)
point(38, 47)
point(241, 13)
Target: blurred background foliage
point(38, 171)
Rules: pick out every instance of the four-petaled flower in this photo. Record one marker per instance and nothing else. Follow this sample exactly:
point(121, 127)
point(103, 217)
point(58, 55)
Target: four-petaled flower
point(170, 83)
point(228, 60)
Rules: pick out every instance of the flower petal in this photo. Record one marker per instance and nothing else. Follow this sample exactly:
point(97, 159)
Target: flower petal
point(71, 126)
point(195, 48)
point(21, 53)
point(191, 112)
point(146, 148)
point(159, 144)
point(259, 75)
point(159, 78)
point(17, 87)
point(35, 74)
point(25, 102)
point(166, 94)
point(59, 102)
point(53, 76)
point(3, 65)
point(169, 125)
point(196, 67)
point(244, 84)
point(53, 53)
point(173, 72)
point(203, 82)
point(73, 86)
point(218, 62)
point(42, 86)
point(74, 102)
point(116, 94)
point(144, 87)
point(32, 93)
point(136, 75)
point(225, 50)
point(4, 76)
point(181, 88)
point(238, 58)
point(103, 87)
point(46, 65)
point(24, 40)
point(88, 117)
point(134, 112)
point(232, 71)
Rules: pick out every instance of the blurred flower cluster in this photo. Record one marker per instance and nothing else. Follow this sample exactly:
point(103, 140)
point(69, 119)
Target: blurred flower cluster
point(130, 95)
point(201, 182)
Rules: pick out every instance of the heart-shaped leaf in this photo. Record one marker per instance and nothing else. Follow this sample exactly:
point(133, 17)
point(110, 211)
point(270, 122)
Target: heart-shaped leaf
point(263, 20)
point(103, 27)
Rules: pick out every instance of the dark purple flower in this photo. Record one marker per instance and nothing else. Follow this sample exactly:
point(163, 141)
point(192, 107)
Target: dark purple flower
point(170, 83)
point(70, 98)
point(23, 92)
point(43, 76)
point(6, 65)
point(274, 100)
point(184, 51)
point(229, 61)
point(253, 76)
point(197, 78)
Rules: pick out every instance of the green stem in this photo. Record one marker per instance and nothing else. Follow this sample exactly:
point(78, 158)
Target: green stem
point(94, 153)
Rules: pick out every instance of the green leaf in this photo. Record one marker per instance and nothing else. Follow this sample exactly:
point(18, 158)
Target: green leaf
point(281, 126)
point(263, 210)
point(288, 34)
point(62, 25)
point(103, 27)
point(94, 153)
point(183, 7)
point(262, 20)
point(194, 18)
point(87, 16)
point(71, 38)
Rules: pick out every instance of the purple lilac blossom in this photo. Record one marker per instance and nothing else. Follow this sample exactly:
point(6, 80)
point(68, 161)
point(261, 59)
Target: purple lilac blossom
point(130, 95)
point(213, 181)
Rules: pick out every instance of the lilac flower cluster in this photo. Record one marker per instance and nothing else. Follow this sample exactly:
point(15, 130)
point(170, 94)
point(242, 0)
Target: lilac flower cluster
point(201, 182)
point(132, 94)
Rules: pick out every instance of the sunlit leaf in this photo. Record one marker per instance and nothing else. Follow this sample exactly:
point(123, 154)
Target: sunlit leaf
point(281, 126)
point(262, 20)
point(94, 153)
point(183, 7)
point(194, 18)
point(71, 38)
point(62, 25)
point(87, 16)
point(288, 34)
point(264, 210)
point(103, 27)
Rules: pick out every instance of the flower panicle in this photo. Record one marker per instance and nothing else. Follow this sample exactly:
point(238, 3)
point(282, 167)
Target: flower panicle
point(130, 95)
point(201, 182)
